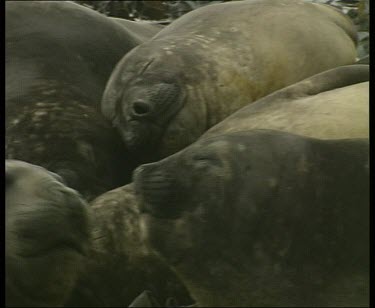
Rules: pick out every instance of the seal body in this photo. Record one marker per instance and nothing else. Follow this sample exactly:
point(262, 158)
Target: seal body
point(59, 56)
point(46, 236)
point(95, 253)
point(212, 61)
point(118, 266)
point(330, 105)
point(262, 218)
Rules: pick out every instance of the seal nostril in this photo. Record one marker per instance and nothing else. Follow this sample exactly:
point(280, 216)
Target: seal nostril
point(141, 108)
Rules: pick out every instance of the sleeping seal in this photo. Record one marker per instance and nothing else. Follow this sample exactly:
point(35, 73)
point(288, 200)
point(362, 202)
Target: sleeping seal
point(46, 236)
point(210, 62)
point(118, 266)
point(262, 218)
point(330, 105)
point(60, 252)
point(59, 56)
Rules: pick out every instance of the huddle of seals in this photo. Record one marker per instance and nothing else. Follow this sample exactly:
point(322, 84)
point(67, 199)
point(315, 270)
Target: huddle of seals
point(61, 252)
point(59, 58)
point(210, 62)
point(278, 219)
point(290, 199)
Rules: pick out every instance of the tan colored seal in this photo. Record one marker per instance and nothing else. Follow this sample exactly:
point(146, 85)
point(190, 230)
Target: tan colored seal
point(168, 91)
point(330, 105)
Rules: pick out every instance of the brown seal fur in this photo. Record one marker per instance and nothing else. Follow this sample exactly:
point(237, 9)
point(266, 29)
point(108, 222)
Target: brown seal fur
point(118, 266)
point(214, 60)
point(330, 105)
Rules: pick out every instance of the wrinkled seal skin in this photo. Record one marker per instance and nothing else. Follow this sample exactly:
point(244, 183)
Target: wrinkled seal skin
point(263, 218)
point(59, 56)
point(118, 267)
point(212, 61)
point(46, 236)
point(330, 105)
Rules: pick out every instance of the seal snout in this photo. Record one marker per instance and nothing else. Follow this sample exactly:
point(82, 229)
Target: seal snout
point(157, 191)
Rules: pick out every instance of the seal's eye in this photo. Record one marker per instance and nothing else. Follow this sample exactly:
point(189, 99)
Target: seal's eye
point(141, 108)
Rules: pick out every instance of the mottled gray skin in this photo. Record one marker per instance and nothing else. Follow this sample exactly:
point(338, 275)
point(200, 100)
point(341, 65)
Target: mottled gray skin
point(118, 266)
point(59, 56)
point(212, 61)
point(55, 256)
point(46, 236)
point(262, 218)
point(330, 105)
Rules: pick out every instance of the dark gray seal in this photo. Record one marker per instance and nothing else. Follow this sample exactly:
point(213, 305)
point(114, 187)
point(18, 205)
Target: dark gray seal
point(212, 61)
point(61, 252)
point(118, 265)
point(263, 218)
point(46, 236)
point(59, 56)
point(330, 105)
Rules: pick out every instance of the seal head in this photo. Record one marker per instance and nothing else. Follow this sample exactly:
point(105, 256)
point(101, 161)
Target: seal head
point(47, 235)
point(141, 100)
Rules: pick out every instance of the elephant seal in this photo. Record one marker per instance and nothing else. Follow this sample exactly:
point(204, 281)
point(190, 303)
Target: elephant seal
point(118, 267)
point(59, 56)
point(212, 61)
point(61, 252)
point(330, 105)
point(262, 218)
point(46, 236)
